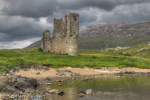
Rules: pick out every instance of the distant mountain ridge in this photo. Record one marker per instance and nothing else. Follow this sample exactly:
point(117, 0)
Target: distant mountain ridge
point(111, 35)
point(116, 30)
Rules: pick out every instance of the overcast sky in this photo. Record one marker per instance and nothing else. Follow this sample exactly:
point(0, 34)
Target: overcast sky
point(23, 21)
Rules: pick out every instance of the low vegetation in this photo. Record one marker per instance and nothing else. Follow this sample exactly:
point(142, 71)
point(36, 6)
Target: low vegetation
point(97, 43)
point(137, 56)
point(142, 51)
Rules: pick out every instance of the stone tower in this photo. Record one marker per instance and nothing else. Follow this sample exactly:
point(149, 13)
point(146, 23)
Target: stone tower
point(45, 42)
point(64, 38)
point(72, 25)
point(59, 37)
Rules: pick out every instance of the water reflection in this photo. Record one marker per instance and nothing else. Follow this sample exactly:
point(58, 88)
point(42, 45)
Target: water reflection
point(109, 88)
point(70, 94)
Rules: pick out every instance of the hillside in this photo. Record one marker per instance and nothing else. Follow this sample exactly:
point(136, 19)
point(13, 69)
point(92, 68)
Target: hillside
point(141, 50)
point(34, 45)
point(121, 30)
point(111, 35)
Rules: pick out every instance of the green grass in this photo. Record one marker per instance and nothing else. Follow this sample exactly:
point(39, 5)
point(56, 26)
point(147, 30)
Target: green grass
point(141, 50)
point(90, 58)
point(97, 43)
point(3, 68)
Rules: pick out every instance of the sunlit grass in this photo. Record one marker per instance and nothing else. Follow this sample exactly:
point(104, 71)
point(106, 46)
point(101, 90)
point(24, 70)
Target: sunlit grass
point(90, 58)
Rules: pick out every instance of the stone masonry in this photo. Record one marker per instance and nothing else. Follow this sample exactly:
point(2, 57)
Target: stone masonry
point(64, 37)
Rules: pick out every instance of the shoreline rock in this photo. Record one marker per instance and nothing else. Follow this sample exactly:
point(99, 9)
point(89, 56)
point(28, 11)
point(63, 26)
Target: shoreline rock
point(14, 84)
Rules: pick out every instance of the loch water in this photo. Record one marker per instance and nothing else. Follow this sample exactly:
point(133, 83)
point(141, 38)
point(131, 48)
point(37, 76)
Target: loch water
point(106, 88)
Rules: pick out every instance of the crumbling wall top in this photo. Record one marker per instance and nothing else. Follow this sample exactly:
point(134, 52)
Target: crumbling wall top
point(46, 33)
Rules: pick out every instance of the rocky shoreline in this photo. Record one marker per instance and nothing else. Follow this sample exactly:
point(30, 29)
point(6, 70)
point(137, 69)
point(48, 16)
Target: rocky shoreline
point(12, 84)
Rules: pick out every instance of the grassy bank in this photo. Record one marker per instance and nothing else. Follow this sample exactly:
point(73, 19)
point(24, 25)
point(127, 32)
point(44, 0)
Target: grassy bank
point(90, 58)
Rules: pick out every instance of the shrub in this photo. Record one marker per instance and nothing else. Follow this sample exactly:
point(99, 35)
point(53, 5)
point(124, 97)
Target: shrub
point(127, 54)
point(40, 49)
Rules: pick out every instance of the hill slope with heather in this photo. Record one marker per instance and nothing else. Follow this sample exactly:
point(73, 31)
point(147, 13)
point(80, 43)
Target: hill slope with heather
point(111, 35)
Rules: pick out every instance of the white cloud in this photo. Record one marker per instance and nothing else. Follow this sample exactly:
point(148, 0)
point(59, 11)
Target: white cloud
point(17, 44)
point(43, 22)
point(125, 13)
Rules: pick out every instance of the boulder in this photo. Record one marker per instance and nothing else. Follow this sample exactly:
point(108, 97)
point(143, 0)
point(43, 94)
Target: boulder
point(45, 90)
point(61, 93)
point(32, 81)
point(73, 78)
point(89, 92)
point(49, 84)
point(81, 91)
point(53, 91)
point(23, 85)
point(81, 94)
point(37, 73)
point(58, 80)
point(60, 84)
point(47, 79)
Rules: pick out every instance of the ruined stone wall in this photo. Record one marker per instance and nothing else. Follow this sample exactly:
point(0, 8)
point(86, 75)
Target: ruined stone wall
point(46, 41)
point(51, 46)
point(42, 42)
point(72, 22)
point(64, 39)
point(59, 37)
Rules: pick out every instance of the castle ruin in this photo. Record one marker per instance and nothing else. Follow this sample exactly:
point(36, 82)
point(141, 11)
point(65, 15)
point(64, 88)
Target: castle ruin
point(64, 37)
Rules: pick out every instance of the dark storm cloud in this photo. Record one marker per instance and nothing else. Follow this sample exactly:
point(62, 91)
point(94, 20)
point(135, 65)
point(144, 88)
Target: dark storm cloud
point(43, 8)
point(102, 4)
point(58, 8)
point(29, 8)
point(18, 28)
point(86, 15)
point(21, 19)
point(127, 13)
